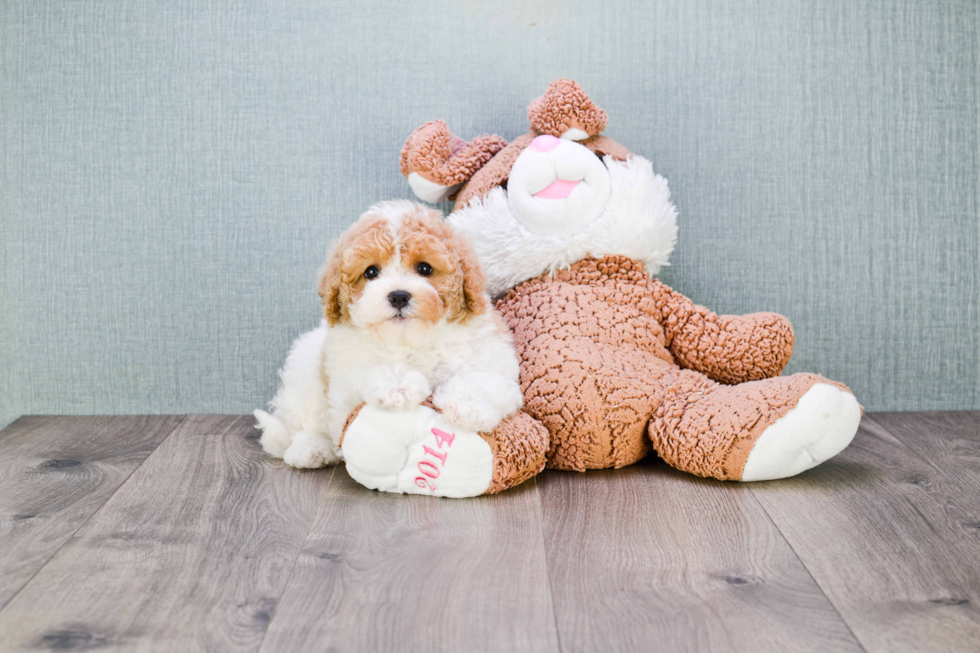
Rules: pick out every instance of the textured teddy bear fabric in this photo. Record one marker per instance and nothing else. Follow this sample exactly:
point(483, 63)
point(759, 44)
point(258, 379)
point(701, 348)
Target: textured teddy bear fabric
point(727, 348)
point(602, 346)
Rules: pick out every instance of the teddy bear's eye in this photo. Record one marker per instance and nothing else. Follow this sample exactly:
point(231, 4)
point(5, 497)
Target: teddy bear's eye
point(372, 272)
point(424, 269)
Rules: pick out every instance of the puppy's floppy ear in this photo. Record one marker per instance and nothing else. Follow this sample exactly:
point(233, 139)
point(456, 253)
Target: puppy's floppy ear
point(474, 282)
point(331, 282)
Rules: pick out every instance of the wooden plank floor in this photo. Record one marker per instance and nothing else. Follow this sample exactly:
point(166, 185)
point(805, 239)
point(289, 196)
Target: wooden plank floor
point(178, 534)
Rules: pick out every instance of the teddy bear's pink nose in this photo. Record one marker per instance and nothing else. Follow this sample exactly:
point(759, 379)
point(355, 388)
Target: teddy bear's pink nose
point(545, 143)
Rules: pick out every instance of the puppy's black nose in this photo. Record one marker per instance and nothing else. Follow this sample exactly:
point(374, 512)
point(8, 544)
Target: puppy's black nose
point(399, 298)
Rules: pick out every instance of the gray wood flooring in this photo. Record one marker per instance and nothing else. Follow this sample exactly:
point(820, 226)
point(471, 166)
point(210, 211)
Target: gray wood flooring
point(175, 533)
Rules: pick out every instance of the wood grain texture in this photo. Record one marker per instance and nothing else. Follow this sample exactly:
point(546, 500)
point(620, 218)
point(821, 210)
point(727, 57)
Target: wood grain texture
point(192, 552)
point(950, 442)
point(55, 472)
point(387, 572)
point(647, 556)
point(209, 545)
point(893, 543)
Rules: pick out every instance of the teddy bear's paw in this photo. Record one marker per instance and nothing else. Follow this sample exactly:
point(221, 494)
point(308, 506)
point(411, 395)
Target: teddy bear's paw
point(310, 450)
point(819, 427)
point(399, 393)
point(416, 452)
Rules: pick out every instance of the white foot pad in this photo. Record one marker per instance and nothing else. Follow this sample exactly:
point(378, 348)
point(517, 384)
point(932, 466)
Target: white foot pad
point(416, 451)
point(819, 427)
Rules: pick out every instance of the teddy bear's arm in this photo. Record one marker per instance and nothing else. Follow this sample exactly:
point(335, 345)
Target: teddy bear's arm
point(727, 348)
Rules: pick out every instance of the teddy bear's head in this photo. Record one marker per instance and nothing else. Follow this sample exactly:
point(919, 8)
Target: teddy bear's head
point(550, 197)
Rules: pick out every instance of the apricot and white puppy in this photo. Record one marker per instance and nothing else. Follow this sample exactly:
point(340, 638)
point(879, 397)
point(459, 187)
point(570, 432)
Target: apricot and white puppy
point(407, 317)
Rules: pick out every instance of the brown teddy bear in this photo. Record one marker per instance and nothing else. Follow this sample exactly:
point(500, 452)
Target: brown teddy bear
point(570, 228)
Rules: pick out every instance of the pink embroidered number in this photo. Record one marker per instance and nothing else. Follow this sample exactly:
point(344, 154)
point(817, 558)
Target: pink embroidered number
point(437, 454)
point(430, 469)
point(433, 470)
point(443, 437)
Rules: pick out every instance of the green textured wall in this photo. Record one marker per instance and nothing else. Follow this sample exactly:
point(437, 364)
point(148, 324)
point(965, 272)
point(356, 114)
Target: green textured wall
point(171, 174)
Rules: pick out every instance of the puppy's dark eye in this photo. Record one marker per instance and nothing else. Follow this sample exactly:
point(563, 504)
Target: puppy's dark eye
point(424, 269)
point(371, 272)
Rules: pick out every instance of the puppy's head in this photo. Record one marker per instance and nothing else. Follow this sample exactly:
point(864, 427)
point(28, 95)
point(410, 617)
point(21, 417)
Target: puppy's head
point(400, 265)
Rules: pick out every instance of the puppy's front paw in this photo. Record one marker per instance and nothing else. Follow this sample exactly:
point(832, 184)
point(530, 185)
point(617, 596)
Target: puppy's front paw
point(402, 392)
point(474, 415)
point(463, 409)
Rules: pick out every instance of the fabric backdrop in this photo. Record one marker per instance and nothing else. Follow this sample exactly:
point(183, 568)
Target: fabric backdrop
point(171, 174)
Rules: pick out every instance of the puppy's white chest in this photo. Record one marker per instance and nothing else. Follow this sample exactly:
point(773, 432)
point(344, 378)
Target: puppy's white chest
point(350, 357)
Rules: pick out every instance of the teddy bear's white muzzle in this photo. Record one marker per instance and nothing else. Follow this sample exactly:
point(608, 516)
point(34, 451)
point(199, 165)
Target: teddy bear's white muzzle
point(557, 187)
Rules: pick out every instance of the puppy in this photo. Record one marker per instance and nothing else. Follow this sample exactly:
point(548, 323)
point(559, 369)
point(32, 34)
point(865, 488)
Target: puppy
point(406, 317)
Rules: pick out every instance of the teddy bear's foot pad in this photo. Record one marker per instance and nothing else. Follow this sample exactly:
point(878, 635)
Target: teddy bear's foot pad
point(820, 426)
point(416, 451)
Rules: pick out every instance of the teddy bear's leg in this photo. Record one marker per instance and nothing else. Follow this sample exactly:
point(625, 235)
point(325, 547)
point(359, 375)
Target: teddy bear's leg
point(418, 451)
point(756, 431)
point(520, 446)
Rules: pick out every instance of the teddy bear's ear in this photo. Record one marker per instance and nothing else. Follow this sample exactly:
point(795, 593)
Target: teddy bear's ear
point(437, 163)
point(565, 111)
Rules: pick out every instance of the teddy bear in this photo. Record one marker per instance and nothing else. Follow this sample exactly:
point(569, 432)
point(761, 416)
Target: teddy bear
point(571, 229)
